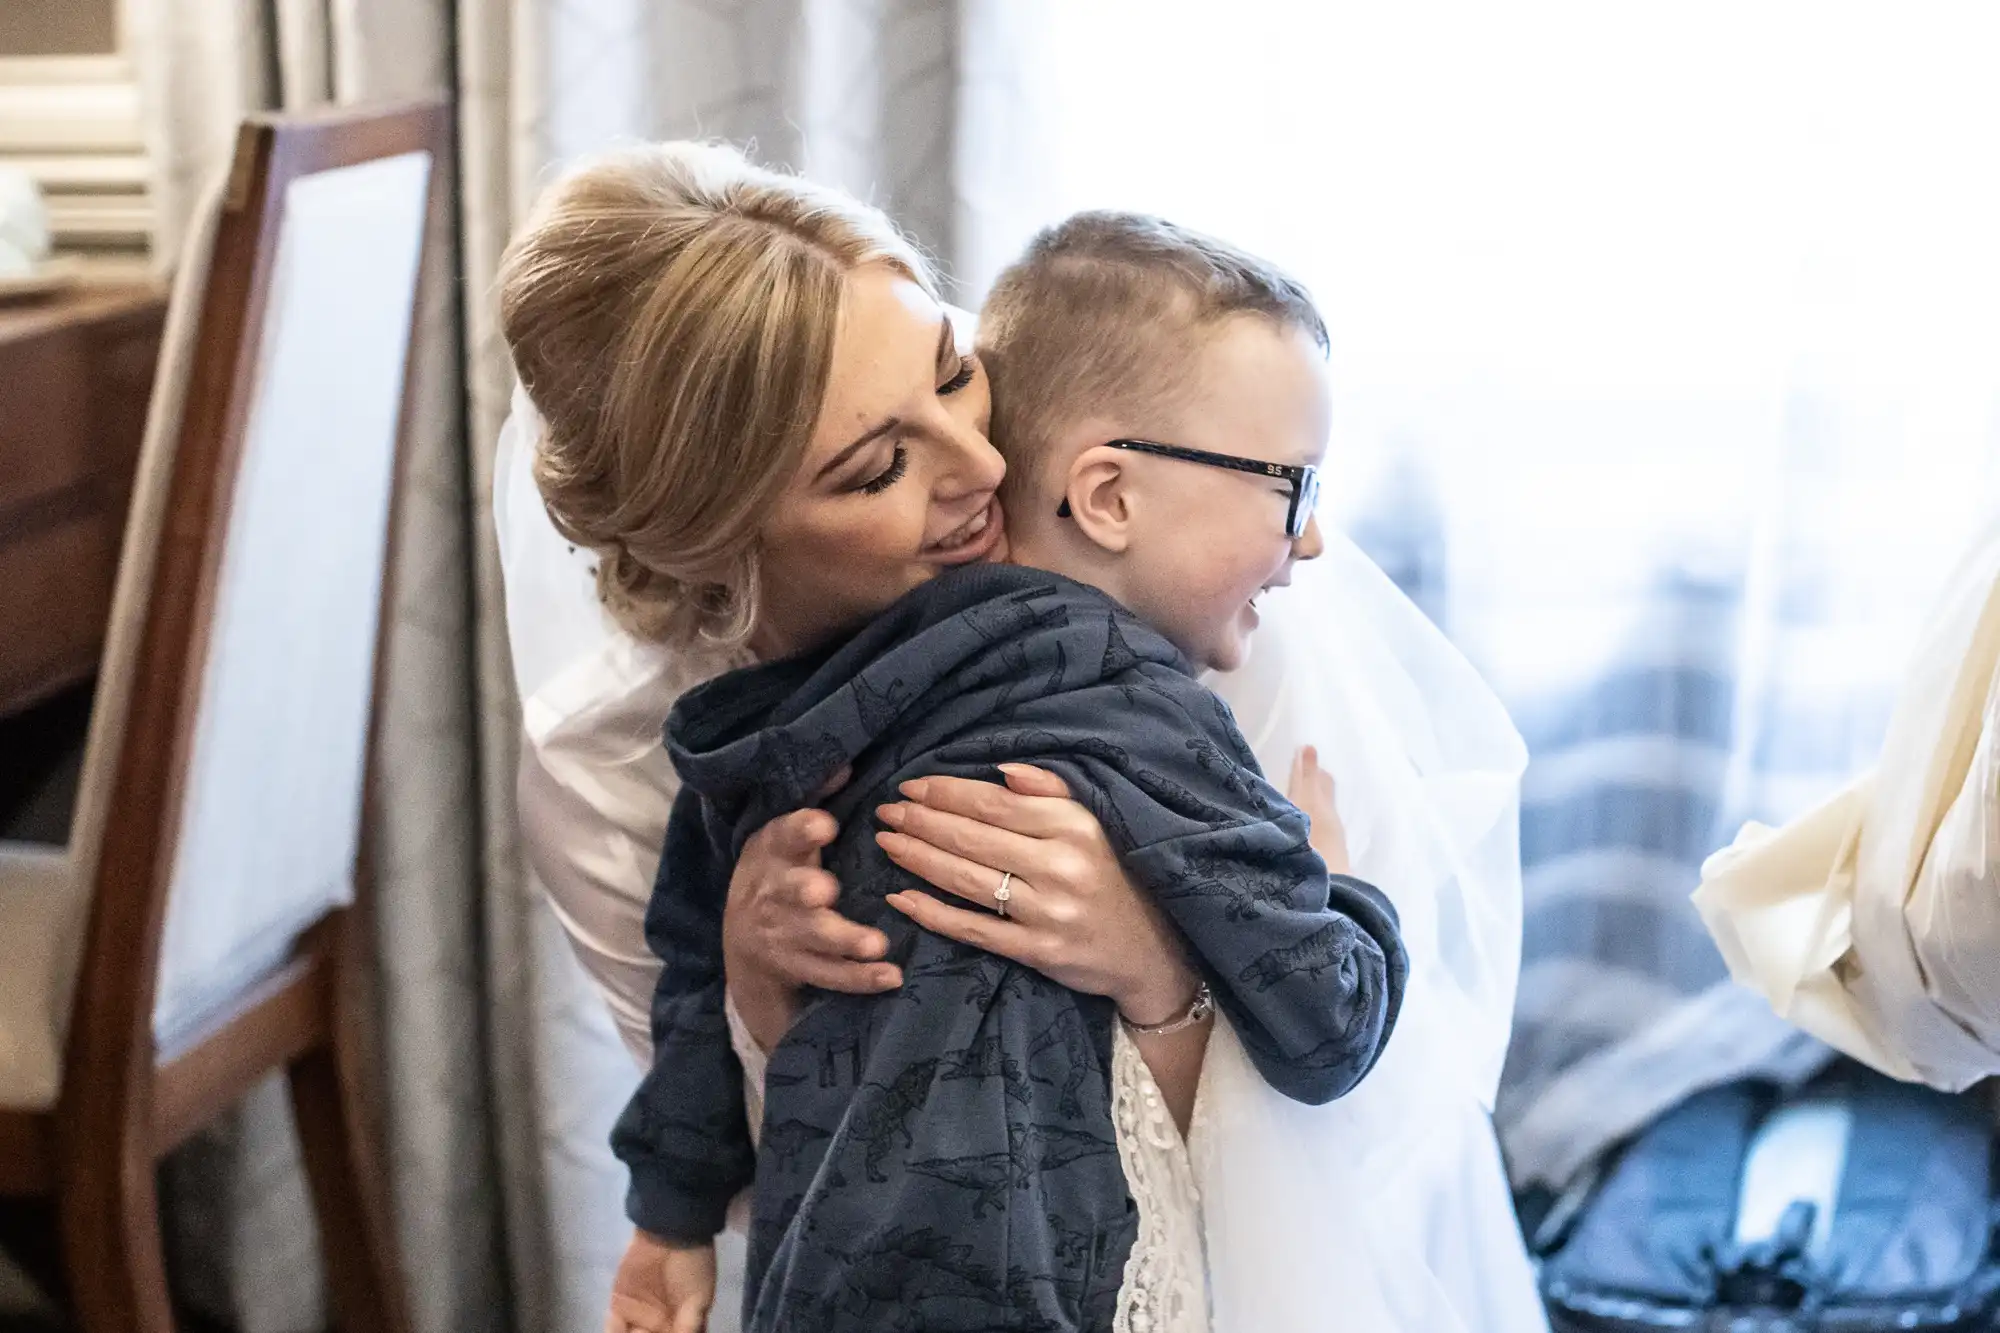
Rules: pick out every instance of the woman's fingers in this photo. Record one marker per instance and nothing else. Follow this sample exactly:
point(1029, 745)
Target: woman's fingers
point(1031, 781)
point(800, 835)
point(834, 783)
point(844, 975)
point(990, 803)
point(1009, 939)
point(827, 934)
point(962, 836)
point(970, 880)
point(825, 948)
point(806, 942)
point(815, 927)
point(805, 887)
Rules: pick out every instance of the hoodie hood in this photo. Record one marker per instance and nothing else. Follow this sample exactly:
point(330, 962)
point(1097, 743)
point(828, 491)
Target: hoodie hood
point(764, 740)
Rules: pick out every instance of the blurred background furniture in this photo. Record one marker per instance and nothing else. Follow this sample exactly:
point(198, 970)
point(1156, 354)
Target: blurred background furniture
point(207, 923)
point(75, 371)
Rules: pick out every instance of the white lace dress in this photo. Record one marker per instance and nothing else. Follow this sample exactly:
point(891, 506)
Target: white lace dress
point(1165, 1289)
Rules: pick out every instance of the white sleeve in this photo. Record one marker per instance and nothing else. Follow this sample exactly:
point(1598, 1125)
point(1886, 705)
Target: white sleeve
point(595, 784)
point(755, 1065)
point(592, 821)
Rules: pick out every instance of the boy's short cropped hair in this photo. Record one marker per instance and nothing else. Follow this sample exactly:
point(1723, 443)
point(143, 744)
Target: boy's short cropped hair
point(1106, 311)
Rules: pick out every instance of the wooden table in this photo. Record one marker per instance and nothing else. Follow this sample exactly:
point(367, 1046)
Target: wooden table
point(75, 372)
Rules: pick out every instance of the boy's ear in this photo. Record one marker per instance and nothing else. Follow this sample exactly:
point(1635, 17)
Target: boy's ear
point(1099, 498)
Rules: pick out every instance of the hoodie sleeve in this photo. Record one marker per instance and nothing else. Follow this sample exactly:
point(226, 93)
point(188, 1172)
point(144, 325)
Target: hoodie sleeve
point(1308, 966)
point(684, 1136)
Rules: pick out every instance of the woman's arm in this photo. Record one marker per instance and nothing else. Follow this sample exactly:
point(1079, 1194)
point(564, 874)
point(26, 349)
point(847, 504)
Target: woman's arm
point(1077, 919)
point(1086, 924)
point(1099, 936)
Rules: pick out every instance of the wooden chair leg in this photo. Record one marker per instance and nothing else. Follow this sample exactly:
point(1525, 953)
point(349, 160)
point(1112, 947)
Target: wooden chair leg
point(109, 1216)
point(344, 1161)
point(356, 1232)
point(31, 1238)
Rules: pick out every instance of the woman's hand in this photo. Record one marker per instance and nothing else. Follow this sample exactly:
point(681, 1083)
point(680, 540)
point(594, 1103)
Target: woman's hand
point(1311, 790)
point(1072, 914)
point(780, 932)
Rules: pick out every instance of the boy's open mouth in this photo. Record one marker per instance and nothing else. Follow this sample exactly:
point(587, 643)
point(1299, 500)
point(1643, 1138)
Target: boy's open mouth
point(1258, 596)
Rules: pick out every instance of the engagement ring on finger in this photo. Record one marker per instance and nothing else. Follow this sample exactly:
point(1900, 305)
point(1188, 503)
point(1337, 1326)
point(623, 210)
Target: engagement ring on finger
point(1005, 893)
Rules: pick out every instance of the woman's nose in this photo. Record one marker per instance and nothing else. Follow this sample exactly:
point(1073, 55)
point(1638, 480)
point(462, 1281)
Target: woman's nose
point(973, 463)
point(1310, 545)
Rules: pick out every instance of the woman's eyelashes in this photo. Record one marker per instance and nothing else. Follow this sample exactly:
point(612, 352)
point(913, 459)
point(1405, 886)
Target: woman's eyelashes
point(888, 476)
point(899, 462)
point(967, 365)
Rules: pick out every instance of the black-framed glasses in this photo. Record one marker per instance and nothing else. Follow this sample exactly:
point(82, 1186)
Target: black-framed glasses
point(1304, 479)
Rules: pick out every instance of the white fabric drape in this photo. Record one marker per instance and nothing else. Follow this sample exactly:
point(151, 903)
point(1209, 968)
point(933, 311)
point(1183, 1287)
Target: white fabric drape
point(1870, 921)
point(1667, 358)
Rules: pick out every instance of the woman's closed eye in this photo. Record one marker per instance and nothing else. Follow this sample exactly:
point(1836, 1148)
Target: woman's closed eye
point(967, 366)
point(899, 463)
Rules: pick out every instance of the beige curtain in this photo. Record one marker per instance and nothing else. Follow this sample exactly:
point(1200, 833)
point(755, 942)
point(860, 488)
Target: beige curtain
point(904, 102)
point(241, 1232)
point(504, 1075)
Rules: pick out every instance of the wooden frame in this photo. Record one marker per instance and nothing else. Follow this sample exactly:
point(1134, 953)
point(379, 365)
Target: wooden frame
point(122, 1103)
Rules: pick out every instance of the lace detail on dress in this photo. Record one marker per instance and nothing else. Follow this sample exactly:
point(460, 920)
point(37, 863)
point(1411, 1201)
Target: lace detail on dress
point(1165, 1288)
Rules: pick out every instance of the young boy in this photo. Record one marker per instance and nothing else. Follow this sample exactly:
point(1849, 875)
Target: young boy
point(943, 1156)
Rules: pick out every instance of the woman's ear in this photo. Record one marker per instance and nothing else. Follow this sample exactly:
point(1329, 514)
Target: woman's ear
point(1099, 498)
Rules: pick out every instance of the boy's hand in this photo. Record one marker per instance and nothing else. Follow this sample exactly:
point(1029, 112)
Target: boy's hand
point(1311, 790)
point(662, 1288)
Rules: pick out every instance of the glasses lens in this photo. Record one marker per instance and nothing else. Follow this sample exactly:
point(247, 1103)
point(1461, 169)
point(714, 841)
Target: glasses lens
point(1302, 512)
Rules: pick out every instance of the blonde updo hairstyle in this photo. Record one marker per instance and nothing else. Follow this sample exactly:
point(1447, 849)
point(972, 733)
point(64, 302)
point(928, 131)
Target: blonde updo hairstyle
point(671, 310)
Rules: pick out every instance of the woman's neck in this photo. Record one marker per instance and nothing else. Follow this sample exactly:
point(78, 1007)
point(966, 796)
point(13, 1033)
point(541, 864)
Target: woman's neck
point(766, 644)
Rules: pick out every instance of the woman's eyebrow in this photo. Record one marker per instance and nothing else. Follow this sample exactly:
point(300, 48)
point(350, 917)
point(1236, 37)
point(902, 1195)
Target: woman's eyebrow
point(869, 437)
point(947, 342)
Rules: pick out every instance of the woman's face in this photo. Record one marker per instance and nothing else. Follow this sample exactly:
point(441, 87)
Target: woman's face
point(899, 480)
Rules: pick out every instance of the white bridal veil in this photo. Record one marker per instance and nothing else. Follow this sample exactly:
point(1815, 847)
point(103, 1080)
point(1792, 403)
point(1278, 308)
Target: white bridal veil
point(1388, 1209)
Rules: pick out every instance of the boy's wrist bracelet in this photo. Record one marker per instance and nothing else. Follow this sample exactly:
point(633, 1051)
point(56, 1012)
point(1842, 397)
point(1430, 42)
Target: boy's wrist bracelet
point(1198, 1009)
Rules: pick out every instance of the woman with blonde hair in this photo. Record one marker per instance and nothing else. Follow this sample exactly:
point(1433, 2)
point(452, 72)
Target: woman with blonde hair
point(762, 426)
